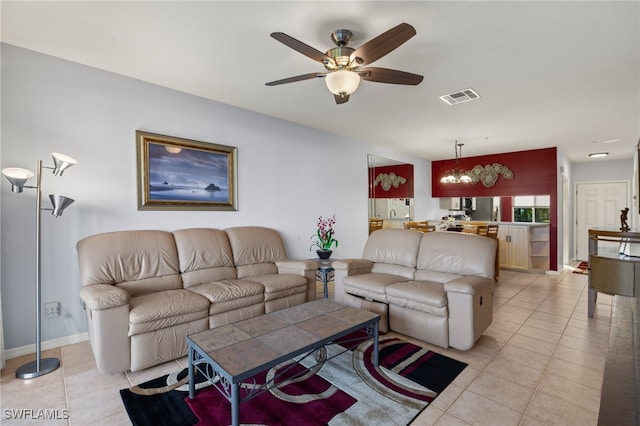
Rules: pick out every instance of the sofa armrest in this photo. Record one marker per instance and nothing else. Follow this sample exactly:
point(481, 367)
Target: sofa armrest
point(470, 303)
point(298, 267)
point(98, 297)
point(469, 284)
point(344, 268)
point(353, 266)
point(107, 308)
point(306, 268)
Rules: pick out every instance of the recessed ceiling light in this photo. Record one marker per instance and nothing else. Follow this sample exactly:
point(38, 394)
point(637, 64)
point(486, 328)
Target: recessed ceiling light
point(598, 154)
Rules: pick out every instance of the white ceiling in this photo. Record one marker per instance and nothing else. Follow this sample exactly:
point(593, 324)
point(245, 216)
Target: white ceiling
point(560, 73)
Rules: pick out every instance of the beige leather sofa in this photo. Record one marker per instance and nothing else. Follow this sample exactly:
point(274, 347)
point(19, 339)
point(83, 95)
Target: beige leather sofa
point(434, 286)
point(145, 291)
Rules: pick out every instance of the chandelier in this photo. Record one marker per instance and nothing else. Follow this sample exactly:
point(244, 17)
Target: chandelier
point(457, 175)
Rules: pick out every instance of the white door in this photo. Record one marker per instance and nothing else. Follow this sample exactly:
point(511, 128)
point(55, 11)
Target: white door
point(597, 204)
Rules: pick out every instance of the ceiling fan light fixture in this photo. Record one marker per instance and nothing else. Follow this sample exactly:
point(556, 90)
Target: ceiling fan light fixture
point(342, 82)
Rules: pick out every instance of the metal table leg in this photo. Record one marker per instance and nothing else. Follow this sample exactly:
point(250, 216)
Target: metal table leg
point(192, 384)
point(375, 344)
point(325, 280)
point(235, 404)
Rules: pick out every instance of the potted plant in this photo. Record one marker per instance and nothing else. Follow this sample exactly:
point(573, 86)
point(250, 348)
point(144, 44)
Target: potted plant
point(324, 237)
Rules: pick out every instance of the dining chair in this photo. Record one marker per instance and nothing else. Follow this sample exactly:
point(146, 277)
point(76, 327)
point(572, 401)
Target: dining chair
point(469, 229)
point(482, 230)
point(492, 231)
point(374, 224)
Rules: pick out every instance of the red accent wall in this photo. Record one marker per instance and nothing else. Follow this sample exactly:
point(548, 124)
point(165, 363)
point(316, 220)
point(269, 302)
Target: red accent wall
point(402, 191)
point(535, 173)
point(506, 204)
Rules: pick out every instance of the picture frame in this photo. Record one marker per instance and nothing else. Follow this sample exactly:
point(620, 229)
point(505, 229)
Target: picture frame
point(182, 174)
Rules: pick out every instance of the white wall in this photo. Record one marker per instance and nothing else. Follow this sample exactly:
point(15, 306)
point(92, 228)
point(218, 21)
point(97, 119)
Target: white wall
point(602, 170)
point(51, 105)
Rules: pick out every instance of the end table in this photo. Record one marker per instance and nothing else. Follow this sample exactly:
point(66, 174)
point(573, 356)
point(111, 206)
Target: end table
point(325, 273)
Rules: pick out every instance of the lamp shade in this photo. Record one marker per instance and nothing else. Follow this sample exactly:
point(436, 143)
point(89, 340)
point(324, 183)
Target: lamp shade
point(18, 177)
point(464, 178)
point(342, 82)
point(449, 178)
point(59, 203)
point(61, 163)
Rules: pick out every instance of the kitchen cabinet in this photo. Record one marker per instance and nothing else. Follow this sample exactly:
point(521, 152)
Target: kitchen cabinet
point(524, 247)
point(450, 203)
point(513, 246)
point(458, 203)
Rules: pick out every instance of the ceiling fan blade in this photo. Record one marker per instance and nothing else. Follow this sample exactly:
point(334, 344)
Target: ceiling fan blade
point(341, 99)
point(376, 48)
point(385, 75)
point(296, 78)
point(299, 46)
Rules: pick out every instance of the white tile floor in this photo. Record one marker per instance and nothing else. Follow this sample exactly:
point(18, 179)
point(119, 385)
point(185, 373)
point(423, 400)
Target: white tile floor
point(539, 363)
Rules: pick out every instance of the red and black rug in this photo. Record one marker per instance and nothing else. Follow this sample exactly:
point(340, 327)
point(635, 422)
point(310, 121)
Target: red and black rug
point(347, 389)
point(582, 268)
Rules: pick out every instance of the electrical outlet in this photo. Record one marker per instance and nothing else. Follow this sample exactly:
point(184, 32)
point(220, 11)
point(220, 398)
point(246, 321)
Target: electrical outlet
point(52, 309)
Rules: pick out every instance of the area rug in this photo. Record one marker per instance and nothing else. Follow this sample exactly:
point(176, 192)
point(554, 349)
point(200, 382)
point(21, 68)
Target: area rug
point(582, 268)
point(346, 390)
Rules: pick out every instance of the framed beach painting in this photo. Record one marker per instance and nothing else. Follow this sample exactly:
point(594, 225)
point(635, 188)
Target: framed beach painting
point(183, 174)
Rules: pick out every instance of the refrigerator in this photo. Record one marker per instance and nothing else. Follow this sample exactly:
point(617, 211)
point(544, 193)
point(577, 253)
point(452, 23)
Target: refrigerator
point(483, 209)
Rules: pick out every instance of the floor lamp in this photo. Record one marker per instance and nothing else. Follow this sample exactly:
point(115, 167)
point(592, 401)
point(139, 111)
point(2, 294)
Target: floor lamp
point(18, 178)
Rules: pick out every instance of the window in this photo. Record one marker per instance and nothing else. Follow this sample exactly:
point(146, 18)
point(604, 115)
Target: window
point(532, 214)
point(529, 208)
point(523, 214)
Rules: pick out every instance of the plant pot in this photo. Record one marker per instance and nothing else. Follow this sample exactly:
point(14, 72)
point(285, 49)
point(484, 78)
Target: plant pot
point(324, 254)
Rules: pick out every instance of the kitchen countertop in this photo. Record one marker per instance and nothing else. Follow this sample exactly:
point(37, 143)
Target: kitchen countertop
point(489, 222)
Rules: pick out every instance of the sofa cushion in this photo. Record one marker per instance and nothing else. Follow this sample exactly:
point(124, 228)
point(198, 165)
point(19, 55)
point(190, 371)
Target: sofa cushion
point(253, 270)
point(140, 262)
point(227, 295)
point(370, 286)
point(435, 276)
point(277, 286)
point(424, 296)
point(254, 245)
point(165, 309)
point(393, 246)
point(391, 269)
point(205, 255)
point(457, 253)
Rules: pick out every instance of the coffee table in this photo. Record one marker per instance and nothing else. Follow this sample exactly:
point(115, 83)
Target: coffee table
point(233, 353)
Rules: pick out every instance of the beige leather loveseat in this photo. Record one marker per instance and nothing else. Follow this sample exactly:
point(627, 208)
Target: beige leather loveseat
point(145, 291)
point(434, 286)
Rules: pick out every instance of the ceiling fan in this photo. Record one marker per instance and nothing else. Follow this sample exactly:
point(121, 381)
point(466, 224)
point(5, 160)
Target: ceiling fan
point(344, 64)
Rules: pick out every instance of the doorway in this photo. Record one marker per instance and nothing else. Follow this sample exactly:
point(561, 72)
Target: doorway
point(597, 204)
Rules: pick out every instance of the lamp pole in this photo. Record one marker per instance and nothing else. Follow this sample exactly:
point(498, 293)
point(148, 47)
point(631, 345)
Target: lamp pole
point(18, 178)
point(40, 366)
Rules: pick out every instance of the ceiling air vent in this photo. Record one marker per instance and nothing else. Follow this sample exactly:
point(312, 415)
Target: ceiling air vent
point(459, 97)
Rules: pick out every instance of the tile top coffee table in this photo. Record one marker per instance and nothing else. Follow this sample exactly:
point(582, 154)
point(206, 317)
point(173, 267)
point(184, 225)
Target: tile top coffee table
point(233, 353)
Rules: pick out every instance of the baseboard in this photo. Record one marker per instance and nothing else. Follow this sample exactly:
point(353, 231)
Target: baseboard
point(49, 344)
